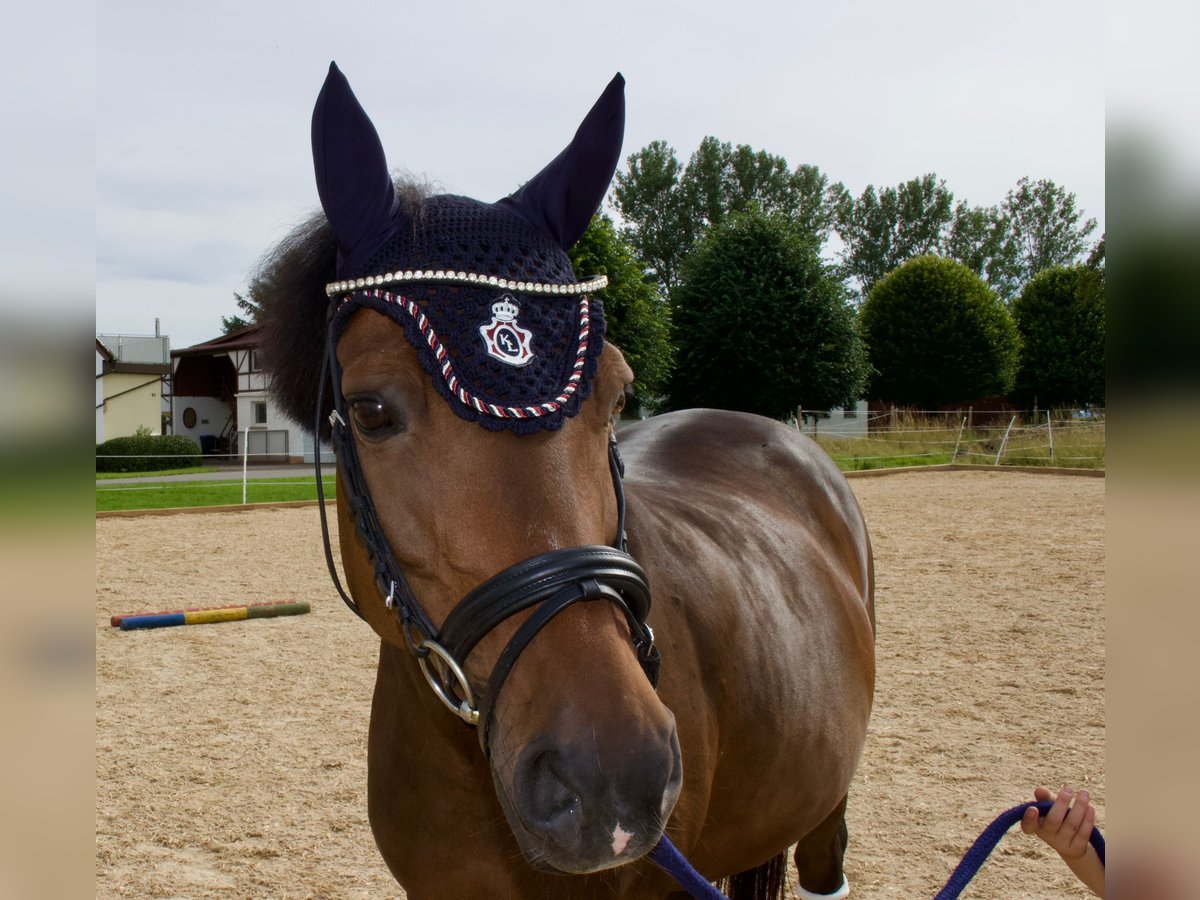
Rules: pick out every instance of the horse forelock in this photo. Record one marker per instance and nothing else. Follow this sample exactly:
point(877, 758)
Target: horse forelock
point(289, 286)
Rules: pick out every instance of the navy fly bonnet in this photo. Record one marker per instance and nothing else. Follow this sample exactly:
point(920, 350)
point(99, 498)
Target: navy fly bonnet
point(485, 292)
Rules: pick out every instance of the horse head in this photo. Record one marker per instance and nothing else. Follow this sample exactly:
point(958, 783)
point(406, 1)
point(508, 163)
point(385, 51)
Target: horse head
point(474, 406)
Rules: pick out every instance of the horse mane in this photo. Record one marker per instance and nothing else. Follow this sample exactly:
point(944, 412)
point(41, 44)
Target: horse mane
point(288, 284)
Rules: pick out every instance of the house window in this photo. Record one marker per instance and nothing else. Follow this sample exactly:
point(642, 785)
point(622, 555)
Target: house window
point(258, 412)
point(255, 364)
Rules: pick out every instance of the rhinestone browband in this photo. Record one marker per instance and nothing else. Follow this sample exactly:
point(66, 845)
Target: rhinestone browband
point(595, 283)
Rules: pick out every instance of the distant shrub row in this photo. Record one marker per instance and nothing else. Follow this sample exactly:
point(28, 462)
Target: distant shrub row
point(147, 453)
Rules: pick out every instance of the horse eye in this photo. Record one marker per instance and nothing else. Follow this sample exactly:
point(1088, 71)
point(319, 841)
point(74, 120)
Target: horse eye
point(372, 417)
point(619, 406)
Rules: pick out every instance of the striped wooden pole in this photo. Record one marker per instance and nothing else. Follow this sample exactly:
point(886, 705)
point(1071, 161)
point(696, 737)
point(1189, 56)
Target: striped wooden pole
point(215, 614)
point(115, 621)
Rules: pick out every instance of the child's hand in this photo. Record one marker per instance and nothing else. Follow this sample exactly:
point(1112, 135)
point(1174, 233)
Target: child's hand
point(1065, 827)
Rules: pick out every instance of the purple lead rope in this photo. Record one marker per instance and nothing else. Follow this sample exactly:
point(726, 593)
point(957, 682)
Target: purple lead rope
point(668, 858)
point(987, 841)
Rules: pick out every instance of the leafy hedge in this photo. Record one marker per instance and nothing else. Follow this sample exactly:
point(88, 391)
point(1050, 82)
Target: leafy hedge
point(147, 453)
point(936, 334)
point(1060, 316)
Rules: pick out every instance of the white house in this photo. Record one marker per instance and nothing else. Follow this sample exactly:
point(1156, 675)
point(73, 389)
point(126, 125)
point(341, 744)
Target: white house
point(220, 397)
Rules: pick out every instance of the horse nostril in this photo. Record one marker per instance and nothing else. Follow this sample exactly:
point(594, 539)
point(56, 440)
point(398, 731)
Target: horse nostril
point(550, 798)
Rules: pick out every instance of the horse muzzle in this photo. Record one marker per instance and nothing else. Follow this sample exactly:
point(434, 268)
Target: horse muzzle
point(592, 804)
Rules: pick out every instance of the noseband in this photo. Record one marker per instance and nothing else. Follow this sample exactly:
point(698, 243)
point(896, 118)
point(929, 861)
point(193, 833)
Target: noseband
point(549, 582)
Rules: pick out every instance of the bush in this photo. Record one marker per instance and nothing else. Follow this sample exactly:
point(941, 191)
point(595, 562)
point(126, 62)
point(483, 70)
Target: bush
point(936, 334)
point(762, 325)
point(147, 453)
point(1060, 316)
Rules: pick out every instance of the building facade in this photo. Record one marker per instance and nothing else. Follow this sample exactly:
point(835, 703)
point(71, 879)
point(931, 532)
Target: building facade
point(220, 397)
point(132, 384)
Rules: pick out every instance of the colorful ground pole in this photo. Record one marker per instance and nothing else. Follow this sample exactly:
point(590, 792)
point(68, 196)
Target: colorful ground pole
point(217, 614)
point(115, 621)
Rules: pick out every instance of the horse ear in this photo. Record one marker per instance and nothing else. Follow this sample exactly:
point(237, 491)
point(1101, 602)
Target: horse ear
point(352, 173)
point(562, 198)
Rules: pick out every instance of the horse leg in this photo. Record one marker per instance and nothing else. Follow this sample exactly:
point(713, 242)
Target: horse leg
point(819, 855)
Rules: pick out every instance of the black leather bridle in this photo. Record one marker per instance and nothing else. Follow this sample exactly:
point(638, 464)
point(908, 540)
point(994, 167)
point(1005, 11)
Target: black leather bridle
point(549, 582)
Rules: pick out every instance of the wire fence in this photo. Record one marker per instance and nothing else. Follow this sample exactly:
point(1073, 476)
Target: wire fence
point(1024, 437)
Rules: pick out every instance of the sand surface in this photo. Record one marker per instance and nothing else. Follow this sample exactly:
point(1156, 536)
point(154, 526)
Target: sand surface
point(231, 758)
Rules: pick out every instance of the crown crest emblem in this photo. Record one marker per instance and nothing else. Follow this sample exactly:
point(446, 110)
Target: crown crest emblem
point(505, 310)
point(504, 339)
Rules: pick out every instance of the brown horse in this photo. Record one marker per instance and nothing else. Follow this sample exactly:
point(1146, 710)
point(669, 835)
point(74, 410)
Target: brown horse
point(749, 540)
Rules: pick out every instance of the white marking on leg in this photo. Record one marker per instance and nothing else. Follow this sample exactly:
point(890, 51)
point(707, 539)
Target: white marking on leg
point(620, 839)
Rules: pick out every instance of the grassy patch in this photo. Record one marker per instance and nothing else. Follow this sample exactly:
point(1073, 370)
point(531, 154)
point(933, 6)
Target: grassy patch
point(192, 470)
point(208, 493)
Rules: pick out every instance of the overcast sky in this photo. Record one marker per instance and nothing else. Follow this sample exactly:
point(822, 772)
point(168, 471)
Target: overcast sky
point(202, 109)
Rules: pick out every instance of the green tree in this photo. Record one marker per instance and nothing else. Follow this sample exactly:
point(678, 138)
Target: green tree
point(981, 239)
point(936, 334)
point(721, 180)
point(1060, 317)
point(880, 230)
point(1046, 226)
point(652, 205)
point(667, 208)
point(1095, 258)
point(762, 325)
point(249, 307)
point(637, 316)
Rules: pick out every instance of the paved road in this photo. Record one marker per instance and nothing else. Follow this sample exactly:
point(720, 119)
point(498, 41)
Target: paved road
point(227, 473)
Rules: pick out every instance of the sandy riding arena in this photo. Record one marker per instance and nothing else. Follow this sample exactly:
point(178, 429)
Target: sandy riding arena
point(231, 758)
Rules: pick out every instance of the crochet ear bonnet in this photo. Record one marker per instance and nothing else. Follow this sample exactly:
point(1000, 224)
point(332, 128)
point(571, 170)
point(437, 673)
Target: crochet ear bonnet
point(485, 292)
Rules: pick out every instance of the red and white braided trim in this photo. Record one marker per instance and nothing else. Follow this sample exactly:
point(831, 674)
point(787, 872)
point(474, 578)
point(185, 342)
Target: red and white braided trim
point(465, 396)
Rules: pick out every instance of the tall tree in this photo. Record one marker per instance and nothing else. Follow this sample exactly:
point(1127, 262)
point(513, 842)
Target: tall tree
point(637, 315)
point(250, 309)
point(816, 201)
point(1060, 317)
point(761, 324)
point(667, 208)
point(936, 334)
point(658, 223)
point(1048, 228)
point(1095, 258)
point(980, 237)
point(880, 230)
